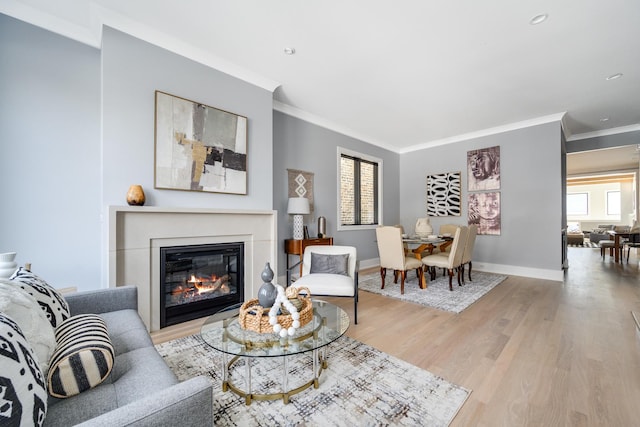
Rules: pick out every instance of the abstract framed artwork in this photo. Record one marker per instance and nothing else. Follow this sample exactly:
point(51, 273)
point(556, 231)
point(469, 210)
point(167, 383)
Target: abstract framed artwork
point(198, 147)
point(484, 211)
point(483, 169)
point(443, 194)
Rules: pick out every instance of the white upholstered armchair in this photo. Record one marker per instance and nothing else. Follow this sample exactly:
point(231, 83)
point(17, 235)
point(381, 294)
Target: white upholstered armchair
point(330, 271)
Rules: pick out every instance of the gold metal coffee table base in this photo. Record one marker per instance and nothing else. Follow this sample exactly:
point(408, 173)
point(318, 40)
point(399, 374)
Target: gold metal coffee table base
point(284, 395)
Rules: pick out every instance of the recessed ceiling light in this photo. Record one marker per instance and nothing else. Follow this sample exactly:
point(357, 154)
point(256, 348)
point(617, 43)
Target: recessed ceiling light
point(538, 19)
point(614, 76)
point(289, 50)
point(604, 119)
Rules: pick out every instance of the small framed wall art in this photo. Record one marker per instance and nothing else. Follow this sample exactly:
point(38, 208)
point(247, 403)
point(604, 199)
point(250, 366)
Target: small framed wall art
point(198, 147)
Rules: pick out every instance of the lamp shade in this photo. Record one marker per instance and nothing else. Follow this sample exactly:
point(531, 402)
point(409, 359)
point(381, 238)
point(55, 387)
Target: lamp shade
point(298, 206)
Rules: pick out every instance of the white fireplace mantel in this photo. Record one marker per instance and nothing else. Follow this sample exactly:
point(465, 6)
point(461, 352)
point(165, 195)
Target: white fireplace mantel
point(136, 234)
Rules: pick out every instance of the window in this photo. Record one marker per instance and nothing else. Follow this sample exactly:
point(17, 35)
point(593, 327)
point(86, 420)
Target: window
point(359, 192)
point(578, 204)
point(613, 203)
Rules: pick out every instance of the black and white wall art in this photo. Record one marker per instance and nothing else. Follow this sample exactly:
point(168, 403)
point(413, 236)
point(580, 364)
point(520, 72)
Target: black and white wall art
point(443, 194)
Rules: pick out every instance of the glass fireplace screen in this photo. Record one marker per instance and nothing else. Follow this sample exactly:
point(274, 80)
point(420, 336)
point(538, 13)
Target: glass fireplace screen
point(199, 280)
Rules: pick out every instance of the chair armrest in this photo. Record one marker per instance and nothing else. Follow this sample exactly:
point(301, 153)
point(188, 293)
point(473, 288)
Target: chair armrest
point(103, 300)
point(189, 403)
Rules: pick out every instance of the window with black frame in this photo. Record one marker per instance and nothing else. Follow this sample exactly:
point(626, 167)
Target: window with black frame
point(359, 190)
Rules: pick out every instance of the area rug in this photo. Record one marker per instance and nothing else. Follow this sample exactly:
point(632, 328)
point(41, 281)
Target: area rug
point(586, 244)
point(362, 386)
point(437, 295)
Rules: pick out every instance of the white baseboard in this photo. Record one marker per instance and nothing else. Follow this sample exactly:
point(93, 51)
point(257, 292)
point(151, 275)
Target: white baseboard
point(510, 270)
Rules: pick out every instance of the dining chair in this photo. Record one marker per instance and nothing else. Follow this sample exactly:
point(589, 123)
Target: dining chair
point(330, 271)
point(407, 250)
point(467, 255)
point(632, 242)
point(451, 261)
point(392, 255)
point(607, 244)
point(449, 229)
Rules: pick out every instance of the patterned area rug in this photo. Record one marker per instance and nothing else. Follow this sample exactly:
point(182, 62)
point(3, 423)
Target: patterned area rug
point(437, 295)
point(362, 386)
point(586, 244)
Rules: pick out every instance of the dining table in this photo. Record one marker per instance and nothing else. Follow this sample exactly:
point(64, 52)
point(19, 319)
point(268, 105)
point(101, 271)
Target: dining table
point(426, 244)
point(616, 241)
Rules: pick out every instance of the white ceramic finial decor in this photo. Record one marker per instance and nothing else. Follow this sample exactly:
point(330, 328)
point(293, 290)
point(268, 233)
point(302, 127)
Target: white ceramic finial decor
point(7, 264)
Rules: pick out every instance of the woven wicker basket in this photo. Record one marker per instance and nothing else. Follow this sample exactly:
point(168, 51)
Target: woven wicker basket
point(254, 317)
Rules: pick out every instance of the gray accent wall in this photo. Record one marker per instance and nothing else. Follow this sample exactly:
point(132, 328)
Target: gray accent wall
point(301, 145)
point(50, 154)
point(77, 129)
point(132, 71)
point(531, 194)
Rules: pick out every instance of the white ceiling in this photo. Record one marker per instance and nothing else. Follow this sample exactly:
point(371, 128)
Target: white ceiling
point(404, 74)
point(604, 161)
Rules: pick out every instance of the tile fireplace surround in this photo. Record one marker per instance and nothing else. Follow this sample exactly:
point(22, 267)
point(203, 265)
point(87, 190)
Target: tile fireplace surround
point(136, 235)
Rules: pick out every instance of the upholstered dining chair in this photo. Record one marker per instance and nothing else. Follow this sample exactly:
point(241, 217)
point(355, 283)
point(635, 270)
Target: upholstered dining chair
point(392, 256)
point(452, 261)
point(449, 229)
point(467, 255)
point(330, 271)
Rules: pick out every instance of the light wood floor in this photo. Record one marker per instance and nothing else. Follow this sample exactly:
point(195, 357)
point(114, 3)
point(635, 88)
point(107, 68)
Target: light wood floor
point(533, 352)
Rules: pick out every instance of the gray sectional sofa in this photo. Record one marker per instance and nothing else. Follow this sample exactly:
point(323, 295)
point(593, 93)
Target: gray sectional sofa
point(141, 390)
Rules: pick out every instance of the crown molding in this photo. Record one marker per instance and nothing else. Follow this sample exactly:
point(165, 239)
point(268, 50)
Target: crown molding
point(46, 21)
point(101, 16)
point(557, 117)
point(606, 132)
point(322, 122)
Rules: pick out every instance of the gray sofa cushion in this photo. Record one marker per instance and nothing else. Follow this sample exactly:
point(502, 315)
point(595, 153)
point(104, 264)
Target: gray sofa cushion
point(135, 375)
point(126, 330)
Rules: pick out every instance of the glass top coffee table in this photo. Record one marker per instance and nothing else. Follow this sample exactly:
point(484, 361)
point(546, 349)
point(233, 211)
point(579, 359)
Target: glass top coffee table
point(222, 331)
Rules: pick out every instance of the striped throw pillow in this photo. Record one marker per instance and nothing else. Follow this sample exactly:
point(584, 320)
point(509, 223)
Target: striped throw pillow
point(83, 357)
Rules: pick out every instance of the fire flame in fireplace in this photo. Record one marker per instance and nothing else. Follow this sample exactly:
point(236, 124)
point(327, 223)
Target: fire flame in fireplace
point(210, 284)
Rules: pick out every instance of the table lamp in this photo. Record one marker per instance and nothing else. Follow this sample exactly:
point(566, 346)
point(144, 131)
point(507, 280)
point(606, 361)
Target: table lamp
point(297, 207)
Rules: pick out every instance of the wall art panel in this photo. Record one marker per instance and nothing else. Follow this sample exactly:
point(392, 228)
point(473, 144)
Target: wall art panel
point(443, 194)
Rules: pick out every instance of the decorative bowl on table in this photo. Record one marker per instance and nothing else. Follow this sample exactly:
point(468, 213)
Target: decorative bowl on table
point(254, 317)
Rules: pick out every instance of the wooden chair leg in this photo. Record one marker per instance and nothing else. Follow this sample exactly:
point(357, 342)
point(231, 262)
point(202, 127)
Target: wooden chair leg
point(383, 274)
point(402, 274)
point(470, 265)
point(450, 279)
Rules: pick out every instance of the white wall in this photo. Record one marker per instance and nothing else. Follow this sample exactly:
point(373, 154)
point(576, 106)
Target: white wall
point(597, 212)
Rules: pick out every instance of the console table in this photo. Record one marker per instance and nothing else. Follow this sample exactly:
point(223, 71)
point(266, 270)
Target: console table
point(296, 247)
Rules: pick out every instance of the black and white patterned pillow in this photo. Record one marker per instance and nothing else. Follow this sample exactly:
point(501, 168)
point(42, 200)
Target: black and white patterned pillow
point(23, 396)
point(50, 300)
point(83, 357)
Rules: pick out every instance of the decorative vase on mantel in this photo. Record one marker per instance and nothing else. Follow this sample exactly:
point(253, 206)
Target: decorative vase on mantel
point(135, 196)
point(7, 264)
point(267, 293)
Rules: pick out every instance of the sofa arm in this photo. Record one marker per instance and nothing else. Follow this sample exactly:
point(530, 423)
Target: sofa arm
point(189, 403)
point(103, 300)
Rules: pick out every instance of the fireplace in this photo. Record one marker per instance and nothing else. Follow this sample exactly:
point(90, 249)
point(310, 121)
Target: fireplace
point(199, 280)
